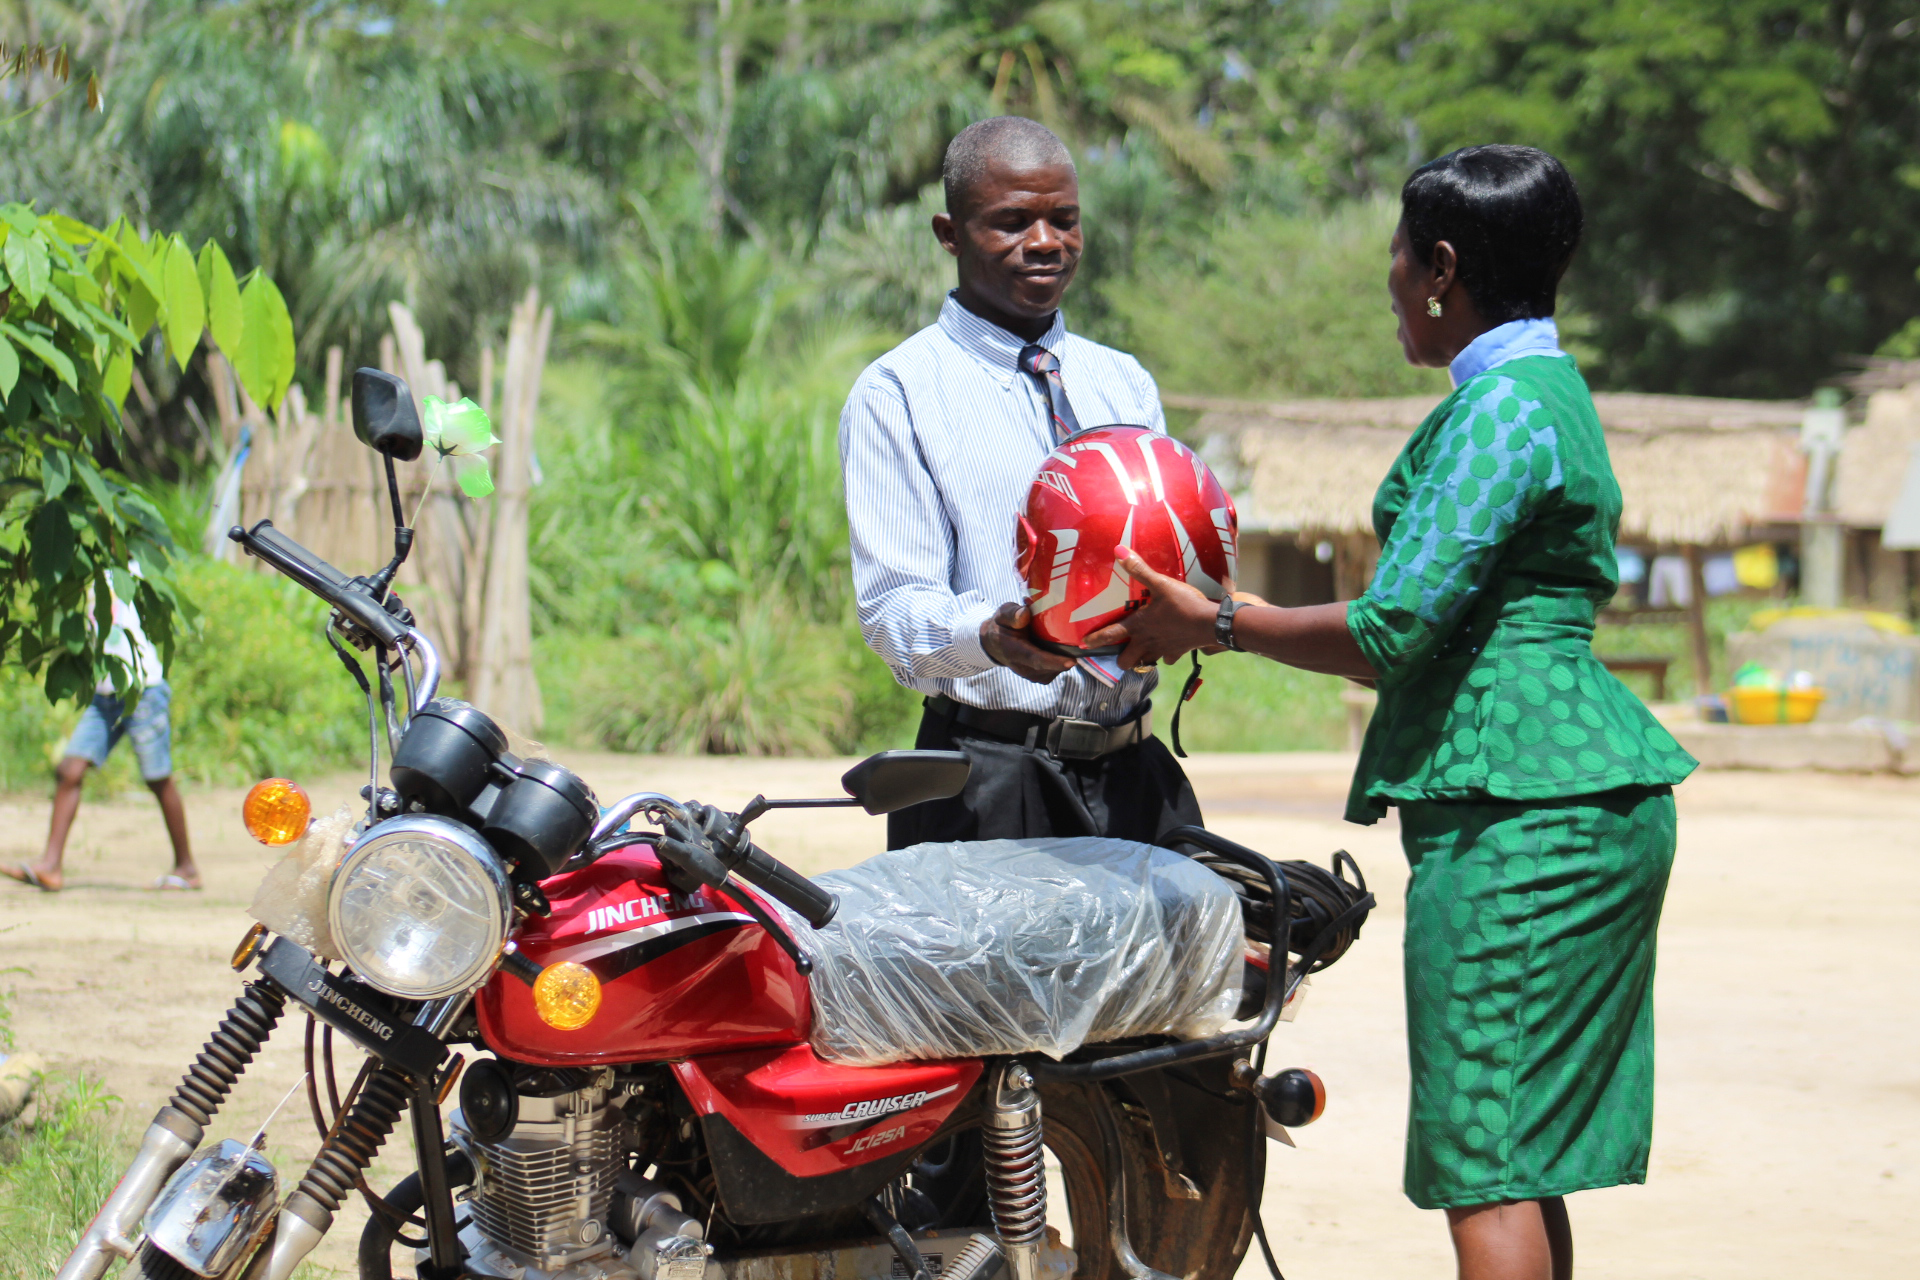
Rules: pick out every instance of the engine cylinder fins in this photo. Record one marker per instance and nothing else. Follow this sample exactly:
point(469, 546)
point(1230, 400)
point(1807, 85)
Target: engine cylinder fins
point(344, 1156)
point(226, 1054)
point(545, 1190)
point(1011, 1139)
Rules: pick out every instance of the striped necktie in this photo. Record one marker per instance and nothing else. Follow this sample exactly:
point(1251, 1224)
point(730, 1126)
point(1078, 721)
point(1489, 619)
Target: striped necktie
point(1044, 367)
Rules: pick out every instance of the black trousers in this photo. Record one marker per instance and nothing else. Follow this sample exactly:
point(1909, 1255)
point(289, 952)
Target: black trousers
point(1135, 793)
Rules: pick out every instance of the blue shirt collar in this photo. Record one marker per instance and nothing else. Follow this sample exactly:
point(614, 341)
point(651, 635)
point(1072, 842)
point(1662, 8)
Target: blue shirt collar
point(1504, 342)
point(991, 345)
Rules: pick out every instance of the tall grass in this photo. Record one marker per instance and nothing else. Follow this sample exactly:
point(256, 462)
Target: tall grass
point(59, 1160)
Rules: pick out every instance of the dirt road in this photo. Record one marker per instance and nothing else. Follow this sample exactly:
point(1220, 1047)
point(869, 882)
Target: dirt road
point(1787, 1138)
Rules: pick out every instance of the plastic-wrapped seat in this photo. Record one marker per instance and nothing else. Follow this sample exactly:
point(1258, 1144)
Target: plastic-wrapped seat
point(1018, 946)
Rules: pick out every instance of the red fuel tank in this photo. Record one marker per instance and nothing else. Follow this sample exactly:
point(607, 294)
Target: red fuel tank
point(680, 974)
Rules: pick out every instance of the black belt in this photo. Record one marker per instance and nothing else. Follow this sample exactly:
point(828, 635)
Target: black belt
point(1060, 736)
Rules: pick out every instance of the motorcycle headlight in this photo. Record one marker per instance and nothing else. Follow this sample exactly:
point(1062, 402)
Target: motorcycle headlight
point(420, 907)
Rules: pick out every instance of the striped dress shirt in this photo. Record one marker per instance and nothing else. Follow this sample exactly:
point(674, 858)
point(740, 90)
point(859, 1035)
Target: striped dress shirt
point(939, 443)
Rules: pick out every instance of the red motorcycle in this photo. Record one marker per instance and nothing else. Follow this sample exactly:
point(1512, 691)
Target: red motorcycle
point(693, 1063)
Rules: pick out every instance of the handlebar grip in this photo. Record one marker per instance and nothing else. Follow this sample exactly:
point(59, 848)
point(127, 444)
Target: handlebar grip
point(761, 869)
point(316, 575)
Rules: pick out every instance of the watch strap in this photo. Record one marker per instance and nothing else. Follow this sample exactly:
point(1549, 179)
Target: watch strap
point(1223, 623)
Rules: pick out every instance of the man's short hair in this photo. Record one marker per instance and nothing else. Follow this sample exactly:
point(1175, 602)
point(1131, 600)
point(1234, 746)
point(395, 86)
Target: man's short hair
point(1012, 141)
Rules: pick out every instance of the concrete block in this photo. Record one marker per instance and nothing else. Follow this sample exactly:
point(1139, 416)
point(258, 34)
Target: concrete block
point(1864, 671)
point(1837, 748)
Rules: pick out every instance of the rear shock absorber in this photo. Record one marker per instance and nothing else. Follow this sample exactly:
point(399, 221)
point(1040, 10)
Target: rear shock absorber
point(346, 1153)
point(1010, 1134)
point(177, 1130)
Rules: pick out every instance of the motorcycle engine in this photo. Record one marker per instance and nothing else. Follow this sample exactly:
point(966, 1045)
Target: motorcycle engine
point(553, 1198)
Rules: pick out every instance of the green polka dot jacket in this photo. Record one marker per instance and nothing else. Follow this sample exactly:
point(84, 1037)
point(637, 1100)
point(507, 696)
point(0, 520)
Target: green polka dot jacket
point(1496, 527)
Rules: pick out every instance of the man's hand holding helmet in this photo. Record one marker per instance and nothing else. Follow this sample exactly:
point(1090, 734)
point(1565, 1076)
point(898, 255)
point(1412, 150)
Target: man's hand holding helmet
point(1007, 638)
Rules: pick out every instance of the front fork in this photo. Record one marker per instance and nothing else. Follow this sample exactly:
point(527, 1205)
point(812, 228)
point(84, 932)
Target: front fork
point(178, 1129)
point(405, 1073)
point(349, 1149)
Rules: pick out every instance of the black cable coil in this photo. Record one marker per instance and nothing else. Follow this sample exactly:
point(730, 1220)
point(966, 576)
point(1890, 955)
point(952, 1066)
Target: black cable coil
point(1319, 897)
point(350, 1148)
point(238, 1037)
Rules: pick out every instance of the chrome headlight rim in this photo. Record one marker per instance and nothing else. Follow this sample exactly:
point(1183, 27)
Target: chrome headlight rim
point(463, 839)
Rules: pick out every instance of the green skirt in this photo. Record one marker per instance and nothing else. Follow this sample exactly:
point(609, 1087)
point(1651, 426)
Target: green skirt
point(1529, 975)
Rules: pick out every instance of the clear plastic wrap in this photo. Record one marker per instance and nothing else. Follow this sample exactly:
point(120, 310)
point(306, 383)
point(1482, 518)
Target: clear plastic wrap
point(292, 900)
point(1020, 946)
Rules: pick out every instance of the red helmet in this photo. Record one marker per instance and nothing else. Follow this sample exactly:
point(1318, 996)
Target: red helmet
point(1113, 487)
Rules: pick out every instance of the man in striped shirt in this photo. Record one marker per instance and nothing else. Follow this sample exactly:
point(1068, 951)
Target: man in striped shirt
point(939, 442)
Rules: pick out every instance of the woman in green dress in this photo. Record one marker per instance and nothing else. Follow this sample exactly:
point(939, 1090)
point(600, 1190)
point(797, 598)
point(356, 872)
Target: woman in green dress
point(1535, 791)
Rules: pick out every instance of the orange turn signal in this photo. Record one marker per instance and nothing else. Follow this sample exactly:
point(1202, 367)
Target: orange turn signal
point(276, 811)
point(566, 995)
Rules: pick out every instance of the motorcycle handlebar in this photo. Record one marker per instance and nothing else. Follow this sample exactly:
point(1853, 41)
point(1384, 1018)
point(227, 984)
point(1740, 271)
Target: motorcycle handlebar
point(316, 575)
point(764, 871)
point(755, 865)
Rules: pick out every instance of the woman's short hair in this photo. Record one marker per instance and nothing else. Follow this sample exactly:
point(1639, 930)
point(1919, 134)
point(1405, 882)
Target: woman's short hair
point(1512, 216)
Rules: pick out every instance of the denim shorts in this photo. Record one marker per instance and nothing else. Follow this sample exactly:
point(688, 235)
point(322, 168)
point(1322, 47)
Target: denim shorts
point(106, 721)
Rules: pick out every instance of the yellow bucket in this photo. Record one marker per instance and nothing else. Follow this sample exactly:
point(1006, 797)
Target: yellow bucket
point(1773, 706)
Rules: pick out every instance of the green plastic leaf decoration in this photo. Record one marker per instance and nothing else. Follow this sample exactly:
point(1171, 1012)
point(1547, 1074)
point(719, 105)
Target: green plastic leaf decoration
point(26, 259)
point(10, 369)
point(457, 430)
point(474, 476)
point(49, 355)
point(222, 296)
point(186, 309)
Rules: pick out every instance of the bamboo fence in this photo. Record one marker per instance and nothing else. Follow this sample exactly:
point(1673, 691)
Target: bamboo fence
point(466, 580)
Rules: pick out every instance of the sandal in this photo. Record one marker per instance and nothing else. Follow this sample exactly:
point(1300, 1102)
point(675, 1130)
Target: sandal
point(25, 874)
point(172, 883)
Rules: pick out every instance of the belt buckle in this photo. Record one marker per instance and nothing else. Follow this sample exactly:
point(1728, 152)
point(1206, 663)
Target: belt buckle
point(1071, 739)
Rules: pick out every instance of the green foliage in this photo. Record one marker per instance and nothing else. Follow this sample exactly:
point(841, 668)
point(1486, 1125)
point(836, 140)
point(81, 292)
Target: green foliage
point(76, 304)
point(1724, 617)
point(1745, 164)
point(59, 1160)
point(1250, 704)
point(689, 564)
point(257, 691)
point(1274, 305)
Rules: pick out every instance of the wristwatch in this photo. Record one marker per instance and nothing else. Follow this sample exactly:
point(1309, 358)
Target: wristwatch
point(1223, 624)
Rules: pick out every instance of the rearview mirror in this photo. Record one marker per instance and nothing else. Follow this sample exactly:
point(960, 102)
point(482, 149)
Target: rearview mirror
point(383, 415)
point(893, 780)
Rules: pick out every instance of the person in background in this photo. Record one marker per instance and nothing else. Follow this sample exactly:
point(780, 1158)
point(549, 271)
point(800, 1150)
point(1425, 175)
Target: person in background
point(939, 443)
point(1535, 792)
point(108, 719)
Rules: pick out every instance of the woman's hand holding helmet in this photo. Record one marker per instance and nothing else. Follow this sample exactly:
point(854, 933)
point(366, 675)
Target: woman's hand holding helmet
point(1175, 620)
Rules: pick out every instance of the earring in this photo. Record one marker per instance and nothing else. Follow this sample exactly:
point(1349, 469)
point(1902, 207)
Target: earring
point(1433, 306)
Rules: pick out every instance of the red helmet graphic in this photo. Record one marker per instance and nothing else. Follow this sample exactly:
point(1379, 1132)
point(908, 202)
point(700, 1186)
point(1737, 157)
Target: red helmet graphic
point(1112, 487)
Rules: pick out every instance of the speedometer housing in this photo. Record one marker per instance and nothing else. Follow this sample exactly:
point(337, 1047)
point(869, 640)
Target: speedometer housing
point(420, 907)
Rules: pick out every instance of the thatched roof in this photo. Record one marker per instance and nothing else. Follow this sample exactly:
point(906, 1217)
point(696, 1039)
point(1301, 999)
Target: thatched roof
point(1873, 462)
point(1691, 469)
